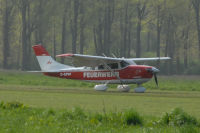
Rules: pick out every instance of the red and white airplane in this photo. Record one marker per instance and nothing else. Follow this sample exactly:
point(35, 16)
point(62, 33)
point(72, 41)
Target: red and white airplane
point(99, 69)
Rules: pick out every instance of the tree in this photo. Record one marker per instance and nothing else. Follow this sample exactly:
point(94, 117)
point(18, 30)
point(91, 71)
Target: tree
point(108, 20)
point(24, 4)
point(126, 28)
point(98, 29)
point(196, 6)
point(74, 23)
point(82, 25)
point(64, 36)
point(7, 22)
point(141, 7)
point(159, 7)
point(41, 20)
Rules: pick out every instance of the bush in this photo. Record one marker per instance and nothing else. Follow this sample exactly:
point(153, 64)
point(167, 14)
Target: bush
point(98, 117)
point(1, 104)
point(11, 105)
point(177, 117)
point(189, 129)
point(50, 112)
point(66, 115)
point(131, 117)
point(78, 112)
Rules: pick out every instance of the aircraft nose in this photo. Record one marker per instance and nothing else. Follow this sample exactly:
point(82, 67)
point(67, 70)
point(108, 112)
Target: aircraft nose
point(155, 70)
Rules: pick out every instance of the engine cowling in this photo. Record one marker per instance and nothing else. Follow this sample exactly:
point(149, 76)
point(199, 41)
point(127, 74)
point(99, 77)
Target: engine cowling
point(101, 87)
point(123, 88)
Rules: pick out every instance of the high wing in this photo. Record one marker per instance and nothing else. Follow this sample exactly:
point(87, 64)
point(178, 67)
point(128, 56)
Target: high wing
point(90, 61)
point(93, 61)
point(149, 59)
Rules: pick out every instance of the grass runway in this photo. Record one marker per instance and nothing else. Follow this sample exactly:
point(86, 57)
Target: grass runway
point(151, 103)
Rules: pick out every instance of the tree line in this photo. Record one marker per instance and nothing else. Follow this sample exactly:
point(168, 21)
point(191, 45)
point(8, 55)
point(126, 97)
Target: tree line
point(121, 28)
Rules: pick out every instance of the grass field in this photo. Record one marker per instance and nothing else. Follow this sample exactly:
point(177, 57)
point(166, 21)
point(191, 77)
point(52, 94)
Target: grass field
point(42, 93)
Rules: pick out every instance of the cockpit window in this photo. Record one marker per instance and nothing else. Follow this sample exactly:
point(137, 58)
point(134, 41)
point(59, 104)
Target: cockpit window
point(111, 66)
point(123, 64)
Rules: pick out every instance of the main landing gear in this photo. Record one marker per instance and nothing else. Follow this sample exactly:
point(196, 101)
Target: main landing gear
point(101, 87)
point(121, 88)
point(104, 87)
point(126, 88)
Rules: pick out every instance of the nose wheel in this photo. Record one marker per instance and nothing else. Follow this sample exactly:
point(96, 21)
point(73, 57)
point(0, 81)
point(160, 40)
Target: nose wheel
point(139, 89)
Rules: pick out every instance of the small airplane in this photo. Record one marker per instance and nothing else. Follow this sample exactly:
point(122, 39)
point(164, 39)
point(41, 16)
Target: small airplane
point(99, 69)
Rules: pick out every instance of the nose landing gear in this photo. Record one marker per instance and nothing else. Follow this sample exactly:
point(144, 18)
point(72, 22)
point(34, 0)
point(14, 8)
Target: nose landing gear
point(139, 89)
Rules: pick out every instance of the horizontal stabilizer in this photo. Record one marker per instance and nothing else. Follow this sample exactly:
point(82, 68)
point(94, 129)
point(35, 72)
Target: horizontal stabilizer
point(42, 71)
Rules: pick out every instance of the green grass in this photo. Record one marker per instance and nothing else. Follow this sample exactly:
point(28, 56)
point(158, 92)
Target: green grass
point(46, 94)
point(152, 104)
point(40, 91)
point(15, 117)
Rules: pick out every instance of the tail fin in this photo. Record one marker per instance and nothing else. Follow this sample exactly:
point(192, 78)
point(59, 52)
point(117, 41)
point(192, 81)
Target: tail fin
point(46, 62)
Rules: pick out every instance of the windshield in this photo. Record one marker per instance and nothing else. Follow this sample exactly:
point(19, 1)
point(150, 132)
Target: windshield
point(124, 64)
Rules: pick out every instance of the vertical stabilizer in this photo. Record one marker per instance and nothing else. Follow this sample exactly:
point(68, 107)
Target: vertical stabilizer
point(46, 62)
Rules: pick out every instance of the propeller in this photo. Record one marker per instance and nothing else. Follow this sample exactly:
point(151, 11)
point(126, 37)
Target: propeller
point(155, 77)
point(155, 71)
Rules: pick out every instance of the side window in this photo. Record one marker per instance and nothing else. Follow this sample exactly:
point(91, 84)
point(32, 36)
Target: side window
point(113, 65)
point(101, 67)
point(123, 64)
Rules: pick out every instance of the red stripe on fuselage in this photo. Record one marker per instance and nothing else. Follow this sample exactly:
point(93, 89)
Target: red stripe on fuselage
point(130, 72)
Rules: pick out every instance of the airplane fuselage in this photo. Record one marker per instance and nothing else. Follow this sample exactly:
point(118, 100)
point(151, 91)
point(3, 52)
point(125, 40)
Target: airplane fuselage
point(132, 74)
